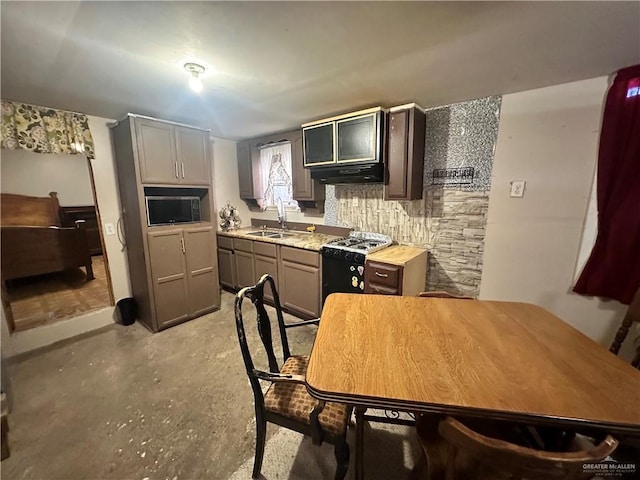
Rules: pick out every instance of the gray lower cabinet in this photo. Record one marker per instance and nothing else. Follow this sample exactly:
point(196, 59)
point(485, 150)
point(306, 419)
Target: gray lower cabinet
point(227, 268)
point(183, 272)
point(266, 261)
point(300, 281)
point(226, 262)
point(296, 272)
point(202, 278)
point(169, 274)
point(245, 271)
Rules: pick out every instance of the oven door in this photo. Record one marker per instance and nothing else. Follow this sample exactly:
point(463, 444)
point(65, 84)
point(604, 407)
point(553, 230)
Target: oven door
point(342, 272)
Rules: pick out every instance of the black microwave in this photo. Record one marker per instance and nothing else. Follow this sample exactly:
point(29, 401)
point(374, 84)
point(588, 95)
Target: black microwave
point(164, 210)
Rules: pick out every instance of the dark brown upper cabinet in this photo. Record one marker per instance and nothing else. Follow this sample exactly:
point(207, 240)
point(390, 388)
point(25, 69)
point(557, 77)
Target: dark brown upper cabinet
point(308, 193)
point(245, 171)
point(249, 176)
point(405, 155)
point(172, 155)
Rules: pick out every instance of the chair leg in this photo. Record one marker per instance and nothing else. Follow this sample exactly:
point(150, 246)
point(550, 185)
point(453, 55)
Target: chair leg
point(341, 451)
point(359, 411)
point(261, 434)
point(89, 268)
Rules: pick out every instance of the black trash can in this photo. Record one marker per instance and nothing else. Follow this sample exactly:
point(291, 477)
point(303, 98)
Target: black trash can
point(127, 311)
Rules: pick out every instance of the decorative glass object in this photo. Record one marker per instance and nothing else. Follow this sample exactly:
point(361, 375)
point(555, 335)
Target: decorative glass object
point(229, 218)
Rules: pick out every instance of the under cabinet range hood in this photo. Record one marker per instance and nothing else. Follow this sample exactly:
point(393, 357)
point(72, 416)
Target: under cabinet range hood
point(347, 148)
point(371, 173)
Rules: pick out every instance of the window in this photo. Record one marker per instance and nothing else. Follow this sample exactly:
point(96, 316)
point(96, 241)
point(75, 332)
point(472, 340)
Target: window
point(275, 167)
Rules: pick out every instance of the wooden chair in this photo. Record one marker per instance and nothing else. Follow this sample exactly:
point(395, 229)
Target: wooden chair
point(632, 315)
point(286, 401)
point(473, 455)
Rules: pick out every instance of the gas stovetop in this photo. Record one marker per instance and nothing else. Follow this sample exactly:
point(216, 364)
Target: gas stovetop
point(360, 242)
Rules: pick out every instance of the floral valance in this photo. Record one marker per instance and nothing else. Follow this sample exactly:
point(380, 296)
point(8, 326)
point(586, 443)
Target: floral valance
point(45, 130)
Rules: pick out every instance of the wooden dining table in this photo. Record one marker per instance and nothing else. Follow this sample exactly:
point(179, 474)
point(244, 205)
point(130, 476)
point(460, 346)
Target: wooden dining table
point(498, 360)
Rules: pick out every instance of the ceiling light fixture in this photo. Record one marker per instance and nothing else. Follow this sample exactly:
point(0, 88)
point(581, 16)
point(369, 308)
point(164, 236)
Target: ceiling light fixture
point(194, 81)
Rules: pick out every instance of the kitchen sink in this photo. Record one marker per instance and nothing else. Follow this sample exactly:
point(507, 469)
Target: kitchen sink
point(267, 234)
point(280, 235)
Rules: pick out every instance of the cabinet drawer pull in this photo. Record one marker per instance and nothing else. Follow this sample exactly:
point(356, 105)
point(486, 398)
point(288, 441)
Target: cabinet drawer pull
point(383, 275)
point(175, 164)
point(182, 163)
point(182, 245)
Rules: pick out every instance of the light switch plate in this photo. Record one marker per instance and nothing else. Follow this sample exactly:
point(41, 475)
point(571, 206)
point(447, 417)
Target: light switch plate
point(517, 188)
point(109, 229)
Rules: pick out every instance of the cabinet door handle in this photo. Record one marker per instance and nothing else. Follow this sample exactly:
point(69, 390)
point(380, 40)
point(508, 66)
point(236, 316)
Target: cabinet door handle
point(182, 245)
point(182, 163)
point(383, 275)
point(175, 164)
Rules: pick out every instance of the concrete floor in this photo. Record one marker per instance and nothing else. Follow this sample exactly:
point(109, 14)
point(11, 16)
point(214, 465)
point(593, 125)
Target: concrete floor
point(129, 404)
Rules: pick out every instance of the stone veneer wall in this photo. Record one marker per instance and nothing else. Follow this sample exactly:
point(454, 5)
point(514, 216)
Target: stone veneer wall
point(450, 220)
point(449, 224)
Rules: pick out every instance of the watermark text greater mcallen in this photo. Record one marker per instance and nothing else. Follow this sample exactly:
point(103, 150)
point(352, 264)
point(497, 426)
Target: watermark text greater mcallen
point(609, 468)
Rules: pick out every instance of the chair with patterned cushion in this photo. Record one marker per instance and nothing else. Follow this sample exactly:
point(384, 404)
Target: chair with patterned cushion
point(485, 452)
point(285, 401)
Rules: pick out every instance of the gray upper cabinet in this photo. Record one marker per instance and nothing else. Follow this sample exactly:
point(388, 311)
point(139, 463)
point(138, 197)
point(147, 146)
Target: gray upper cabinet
point(172, 155)
point(156, 151)
point(192, 147)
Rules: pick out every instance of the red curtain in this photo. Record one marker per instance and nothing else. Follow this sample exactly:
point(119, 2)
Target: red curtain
point(613, 269)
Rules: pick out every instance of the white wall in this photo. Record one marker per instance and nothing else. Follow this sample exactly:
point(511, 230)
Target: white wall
point(225, 178)
point(549, 138)
point(37, 174)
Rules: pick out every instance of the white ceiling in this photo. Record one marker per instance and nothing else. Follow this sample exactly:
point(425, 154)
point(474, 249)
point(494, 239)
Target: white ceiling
point(276, 65)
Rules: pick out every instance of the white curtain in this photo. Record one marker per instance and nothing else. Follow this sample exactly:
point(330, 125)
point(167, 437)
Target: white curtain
point(277, 185)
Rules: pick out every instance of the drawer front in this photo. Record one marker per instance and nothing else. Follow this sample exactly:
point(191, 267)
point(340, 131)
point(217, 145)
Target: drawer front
point(297, 255)
point(225, 242)
point(264, 249)
point(243, 245)
point(383, 274)
point(380, 290)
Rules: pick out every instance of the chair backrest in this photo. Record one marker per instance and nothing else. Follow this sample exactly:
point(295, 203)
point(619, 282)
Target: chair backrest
point(518, 461)
point(632, 315)
point(443, 294)
point(256, 295)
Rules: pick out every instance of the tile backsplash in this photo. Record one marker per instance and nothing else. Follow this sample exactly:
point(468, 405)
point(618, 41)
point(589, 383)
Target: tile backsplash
point(450, 220)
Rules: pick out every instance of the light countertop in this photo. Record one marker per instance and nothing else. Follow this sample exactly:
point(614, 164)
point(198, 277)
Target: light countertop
point(297, 239)
point(396, 254)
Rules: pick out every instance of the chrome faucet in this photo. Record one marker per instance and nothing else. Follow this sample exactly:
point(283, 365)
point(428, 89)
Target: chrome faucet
point(282, 218)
